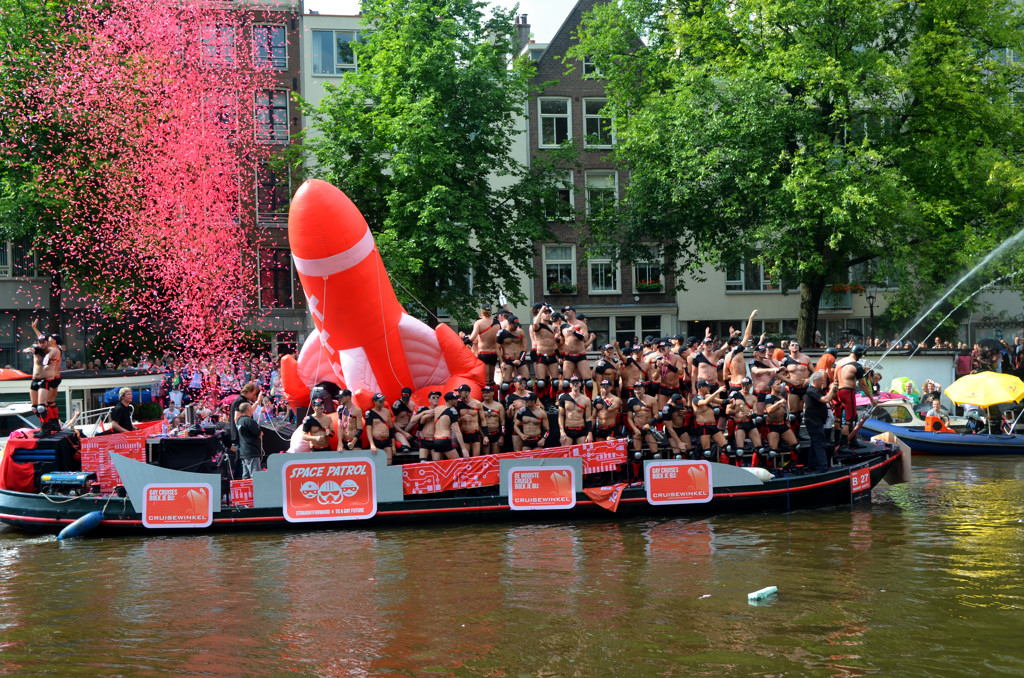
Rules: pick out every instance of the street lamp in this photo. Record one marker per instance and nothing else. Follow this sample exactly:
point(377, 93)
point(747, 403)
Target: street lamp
point(870, 298)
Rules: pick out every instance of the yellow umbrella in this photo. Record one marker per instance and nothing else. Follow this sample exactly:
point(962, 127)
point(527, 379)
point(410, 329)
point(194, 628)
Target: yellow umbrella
point(986, 388)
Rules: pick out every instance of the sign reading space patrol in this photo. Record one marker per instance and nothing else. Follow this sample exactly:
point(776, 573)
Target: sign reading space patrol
point(678, 482)
point(332, 489)
point(177, 505)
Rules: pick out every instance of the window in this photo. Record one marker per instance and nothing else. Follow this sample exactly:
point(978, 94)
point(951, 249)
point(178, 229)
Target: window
point(333, 53)
point(272, 116)
point(602, 191)
point(560, 269)
point(221, 110)
point(559, 206)
point(270, 47)
point(218, 45)
point(273, 190)
point(749, 276)
point(554, 121)
point(647, 276)
point(604, 276)
point(597, 127)
point(276, 279)
point(6, 259)
point(623, 328)
point(590, 69)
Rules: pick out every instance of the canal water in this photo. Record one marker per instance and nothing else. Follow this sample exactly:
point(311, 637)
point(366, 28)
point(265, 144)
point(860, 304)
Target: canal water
point(926, 581)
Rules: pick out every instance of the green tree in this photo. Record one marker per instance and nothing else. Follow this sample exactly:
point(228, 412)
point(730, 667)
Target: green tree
point(421, 139)
point(814, 136)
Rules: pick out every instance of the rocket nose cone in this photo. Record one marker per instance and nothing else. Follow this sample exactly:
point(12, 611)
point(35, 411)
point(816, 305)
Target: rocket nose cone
point(322, 221)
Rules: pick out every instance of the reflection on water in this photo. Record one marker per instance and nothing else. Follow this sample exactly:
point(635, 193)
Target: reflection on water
point(925, 582)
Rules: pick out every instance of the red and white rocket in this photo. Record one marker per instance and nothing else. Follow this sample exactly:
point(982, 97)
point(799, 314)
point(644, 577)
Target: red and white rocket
point(364, 340)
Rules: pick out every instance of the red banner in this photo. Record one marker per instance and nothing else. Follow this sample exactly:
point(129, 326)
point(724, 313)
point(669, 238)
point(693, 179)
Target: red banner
point(607, 496)
point(96, 455)
point(241, 493)
point(333, 489)
point(177, 505)
point(457, 474)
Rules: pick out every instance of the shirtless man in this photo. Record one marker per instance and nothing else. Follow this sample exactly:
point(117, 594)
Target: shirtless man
point(775, 416)
point(735, 361)
point(380, 428)
point(513, 352)
point(574, 349)
point(485, 336)
point(799, 368)
point(677, 414)
point(329, 439)
point(402, 410)
point(494, 421)
point(668, 367)
point(607, 366)
point(423, 420)
point(446, 429)
point(849, 373)
point(705, 421)
point(705, 362)
point(546, 367)
point(739, 411)
point(514, 402)
point(762, 370)
point(575, 415)
point(39, 351)
point(639, 415)
point(633, 369)
point(471, 421)
point(607, 407)
point(350, 419)
point(531, 424)
point(51, 369)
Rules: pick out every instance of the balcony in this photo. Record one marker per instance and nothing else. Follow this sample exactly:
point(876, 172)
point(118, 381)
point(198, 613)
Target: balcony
point(836, 301)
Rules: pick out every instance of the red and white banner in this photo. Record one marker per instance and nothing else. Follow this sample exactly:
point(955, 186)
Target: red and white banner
point(678, 482)
point(457, 474)
point(241, 493)
point(96, 455)
point(177, 505)
point(334, 489)
point(532, 488)
point(606, 496)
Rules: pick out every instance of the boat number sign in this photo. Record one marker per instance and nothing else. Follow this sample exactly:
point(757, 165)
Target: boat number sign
point(678, 482)
point(532, 488)
point(177, 505)
point(860, 481)
point(334, 489)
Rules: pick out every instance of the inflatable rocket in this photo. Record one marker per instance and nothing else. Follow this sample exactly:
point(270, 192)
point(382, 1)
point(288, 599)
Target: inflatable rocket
point(364, 340)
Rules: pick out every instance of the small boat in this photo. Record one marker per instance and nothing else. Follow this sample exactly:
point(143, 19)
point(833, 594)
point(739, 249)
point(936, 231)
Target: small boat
point(354, 489)
point(921, 440)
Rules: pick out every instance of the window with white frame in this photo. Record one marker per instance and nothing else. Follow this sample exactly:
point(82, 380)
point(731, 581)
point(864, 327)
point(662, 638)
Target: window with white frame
point(334, 53)
point(597, 126)
point(590, 69)
point(270, 46)
point(6, 259)
point(218, 45)
point(272, 116)
point(221, 110)
point(749, 276)
point(604, 276)
point(647, 276)
point(560, 269)
point(555, 120)
point(602, 190)
point(559, 205)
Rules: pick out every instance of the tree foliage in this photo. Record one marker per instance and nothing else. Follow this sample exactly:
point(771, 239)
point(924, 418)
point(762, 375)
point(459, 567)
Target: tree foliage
point(421, 139)
point(814, 136)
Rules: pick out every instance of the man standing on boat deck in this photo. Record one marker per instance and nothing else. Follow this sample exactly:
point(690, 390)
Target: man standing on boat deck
point(816, 401)
point(249, 442)
point(250, 393)
point(850, 372)
point(485, 335)
point(121, 413)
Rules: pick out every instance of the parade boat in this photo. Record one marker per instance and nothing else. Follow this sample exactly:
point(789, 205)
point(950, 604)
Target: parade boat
point(354, 489)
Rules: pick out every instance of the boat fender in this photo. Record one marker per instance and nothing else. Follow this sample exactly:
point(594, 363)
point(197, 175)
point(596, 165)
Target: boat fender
point(82, 526)
point(762, 474)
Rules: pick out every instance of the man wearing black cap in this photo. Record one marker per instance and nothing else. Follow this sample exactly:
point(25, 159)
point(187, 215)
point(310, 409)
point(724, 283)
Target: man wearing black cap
point(471, 421)
point(380, 428)
point(633, 368)
point(531, 424)
point(330, 440)
point(705, 363)
point(742, 416)
point(494, 420)
point(38, 351)
point(402, 410)
point(574, 415)
point(544, 337)
point(513, 352)
point(607, 366)
point(762, 370)
point(514, 401)
point(484, 335)
point(668, 367)
point(350, 421)
point(705, 421)
point(574, 350)
point(639, 415)
point(446, 430)
point(677, 416)
point(735, 363)
point(423, 420)
point(607, 408)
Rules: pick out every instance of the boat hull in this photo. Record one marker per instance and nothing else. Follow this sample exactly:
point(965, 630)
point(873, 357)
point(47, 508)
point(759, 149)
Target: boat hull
point(38, 513)
point(925, 442)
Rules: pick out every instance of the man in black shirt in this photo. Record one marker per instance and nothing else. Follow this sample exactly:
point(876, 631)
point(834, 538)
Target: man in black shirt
point(249, 435)
point(816, 402)
point(121, 413)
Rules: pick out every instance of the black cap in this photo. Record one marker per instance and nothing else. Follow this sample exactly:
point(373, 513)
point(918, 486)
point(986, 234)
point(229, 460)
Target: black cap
point(378, 397)
point(747, 380)
point(759, 347)
point(568, 308)
point(580, 316)
point(485, 306)
point(831, 350)
point(607, 347)
point(344, 392)
point(574, 378)
point(433, 394)
point(451, 395)
point(638, 384)
point(663, 344)
point(676, 397)
point(858, 350)
point(318, 401)
point(538, 306)
point(464, 387)
point(769, 345)
point(519, 377)
point(690, 341)
point(703, 383)
point(530, 395)
point(406, 391)
point(605, 382)
point(487, 389)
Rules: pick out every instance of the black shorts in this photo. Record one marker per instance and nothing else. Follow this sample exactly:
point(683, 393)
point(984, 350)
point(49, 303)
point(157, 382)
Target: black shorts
point(488, 358)
point(53, 383)
point(681, 431)
point(443, 445)
point(547, 358)
point(425, 443)
point(745, 425)
point(604, 432)
point(574, 357)
point(37, 385)
point(575, 434)
point(707, 429)
point(628, 393)
point(510, 361)
point(669, 391)
point(470, 437)
point(531, 443)
point(493, 435)
point(798, 391)
point(761, 395)
point(778, 428)
point(382, 442)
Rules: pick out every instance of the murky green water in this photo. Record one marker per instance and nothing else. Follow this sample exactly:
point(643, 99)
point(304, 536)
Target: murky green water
point(926, 582)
